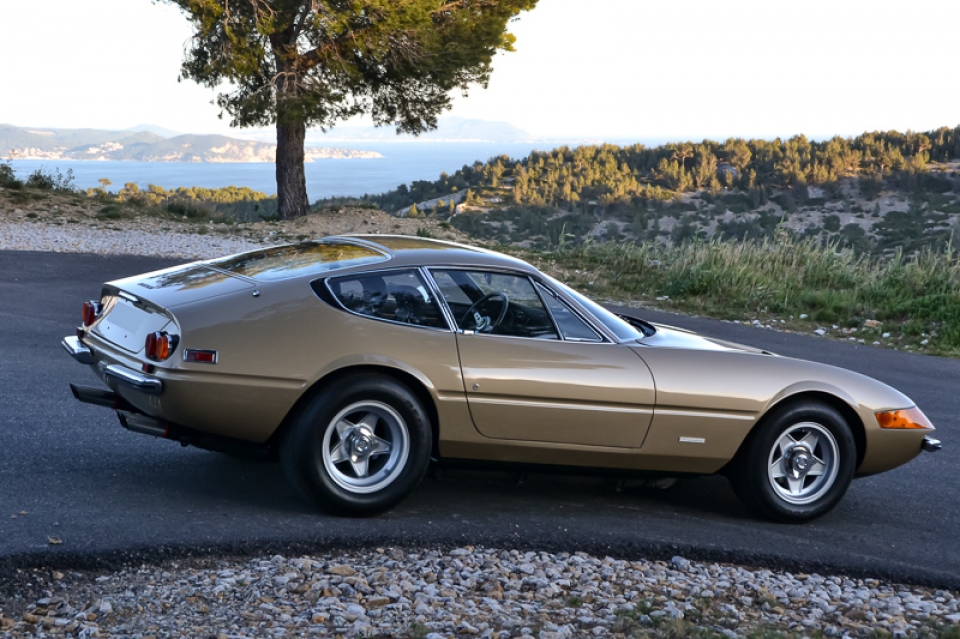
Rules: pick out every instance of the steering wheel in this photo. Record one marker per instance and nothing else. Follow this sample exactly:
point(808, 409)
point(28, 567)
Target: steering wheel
point(483, 324)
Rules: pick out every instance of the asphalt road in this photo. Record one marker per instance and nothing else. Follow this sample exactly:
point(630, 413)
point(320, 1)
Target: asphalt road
point(113, 496)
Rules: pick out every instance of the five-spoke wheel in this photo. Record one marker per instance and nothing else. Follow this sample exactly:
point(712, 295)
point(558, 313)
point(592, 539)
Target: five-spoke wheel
point(803, 463)
point(359, 446)
point(367, 446)
point(797, 464)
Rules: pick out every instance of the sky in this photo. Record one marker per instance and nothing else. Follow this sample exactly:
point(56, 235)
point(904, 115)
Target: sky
point(603, 69)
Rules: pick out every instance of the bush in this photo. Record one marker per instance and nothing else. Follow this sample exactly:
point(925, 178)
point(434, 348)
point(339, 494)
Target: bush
point(51, 181)
point(40, 180)
point(870, 186)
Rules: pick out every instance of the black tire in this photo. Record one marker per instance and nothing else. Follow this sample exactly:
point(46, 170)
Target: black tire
point(776, 474)
point(310, 450)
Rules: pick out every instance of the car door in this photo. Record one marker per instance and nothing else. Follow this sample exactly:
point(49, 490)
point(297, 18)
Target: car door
point(527, 380)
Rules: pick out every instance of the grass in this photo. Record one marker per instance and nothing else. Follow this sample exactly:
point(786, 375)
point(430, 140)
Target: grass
point(916, 298)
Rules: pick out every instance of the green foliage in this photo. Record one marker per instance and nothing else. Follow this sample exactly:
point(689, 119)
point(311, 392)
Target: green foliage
point(8, 179)
point(318, 62)
point(611, 178)
point(870, 185)
point(113, 212)
point(300, 63)
point(231, 202)
point(785, 276)
point(45, 180)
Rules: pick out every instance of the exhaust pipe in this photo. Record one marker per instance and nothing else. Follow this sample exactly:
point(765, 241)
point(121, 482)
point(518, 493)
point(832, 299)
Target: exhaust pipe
point(931, 445)
point(96, 396)
point(139, 423)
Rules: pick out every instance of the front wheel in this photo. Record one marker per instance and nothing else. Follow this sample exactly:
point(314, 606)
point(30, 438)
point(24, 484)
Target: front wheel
point(799, 464)
point(359, 447)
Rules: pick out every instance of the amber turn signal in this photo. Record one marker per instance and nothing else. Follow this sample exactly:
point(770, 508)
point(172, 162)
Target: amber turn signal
point(906, 418)
point(158, 346)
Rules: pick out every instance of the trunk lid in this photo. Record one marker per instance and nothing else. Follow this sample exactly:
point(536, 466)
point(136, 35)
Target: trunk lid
point(137, 306)
point(180, 285)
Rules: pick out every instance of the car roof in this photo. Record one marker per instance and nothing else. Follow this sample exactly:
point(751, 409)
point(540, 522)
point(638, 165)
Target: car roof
point(404, 250)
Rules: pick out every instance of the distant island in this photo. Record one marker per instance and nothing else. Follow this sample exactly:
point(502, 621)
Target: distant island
point(146, 146)
point(449, 129)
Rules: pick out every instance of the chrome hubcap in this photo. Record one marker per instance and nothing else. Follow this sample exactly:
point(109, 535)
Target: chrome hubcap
point(803, 463)
point(365, 447)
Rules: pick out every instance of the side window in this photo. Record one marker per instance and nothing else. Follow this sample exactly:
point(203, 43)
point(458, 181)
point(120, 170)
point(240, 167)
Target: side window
point(571, 326)
point(495, 303)
point(398, 296)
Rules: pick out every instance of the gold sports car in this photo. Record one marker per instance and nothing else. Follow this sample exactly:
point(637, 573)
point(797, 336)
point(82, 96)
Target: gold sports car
point(357, 359)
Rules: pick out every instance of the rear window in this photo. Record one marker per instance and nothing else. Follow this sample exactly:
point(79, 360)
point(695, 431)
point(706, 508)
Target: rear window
point(296, 260)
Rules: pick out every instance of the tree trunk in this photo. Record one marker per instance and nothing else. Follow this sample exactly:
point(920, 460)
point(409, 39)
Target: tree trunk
point(291, 181)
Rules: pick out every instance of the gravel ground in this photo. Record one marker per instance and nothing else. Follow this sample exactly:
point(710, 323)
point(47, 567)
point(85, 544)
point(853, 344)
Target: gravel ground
point(71, 239)
point(468, 592)
point(428, 594)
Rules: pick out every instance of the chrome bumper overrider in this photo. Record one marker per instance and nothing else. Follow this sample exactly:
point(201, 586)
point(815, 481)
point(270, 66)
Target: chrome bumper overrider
point(931, 445)
point(129, 377)
point(77, 350)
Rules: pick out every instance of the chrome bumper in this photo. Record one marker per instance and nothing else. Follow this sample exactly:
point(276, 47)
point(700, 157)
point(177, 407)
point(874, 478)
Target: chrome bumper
point(77, 350)
point(931, 445)
point(117, 372)
point(129, 377)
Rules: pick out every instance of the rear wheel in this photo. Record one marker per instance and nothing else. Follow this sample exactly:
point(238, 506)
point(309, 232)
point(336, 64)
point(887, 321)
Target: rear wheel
point(798, 465)
point(359, 447)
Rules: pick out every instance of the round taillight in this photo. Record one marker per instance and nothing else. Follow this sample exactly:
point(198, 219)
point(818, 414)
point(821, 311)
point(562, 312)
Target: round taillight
point(90, 312)
point(157, 346)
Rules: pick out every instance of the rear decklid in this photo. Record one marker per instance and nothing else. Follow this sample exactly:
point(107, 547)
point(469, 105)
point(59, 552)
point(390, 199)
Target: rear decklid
point(188, 283)
point(142, 304)
point(181, 285)
point(136, 306)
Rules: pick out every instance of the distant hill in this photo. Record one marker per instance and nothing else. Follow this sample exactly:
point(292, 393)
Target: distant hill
point(145, 146)
point(450, 129)
point(153, 128)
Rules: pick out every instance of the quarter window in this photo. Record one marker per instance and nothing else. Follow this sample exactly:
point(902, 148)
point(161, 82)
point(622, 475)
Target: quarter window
point(397, 296)
point(571, 326)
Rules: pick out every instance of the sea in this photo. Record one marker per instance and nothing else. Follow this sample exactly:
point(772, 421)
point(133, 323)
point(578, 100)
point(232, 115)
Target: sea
point(402, 163)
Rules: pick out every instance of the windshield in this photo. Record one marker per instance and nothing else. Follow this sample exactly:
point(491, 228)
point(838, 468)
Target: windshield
point(624, 331)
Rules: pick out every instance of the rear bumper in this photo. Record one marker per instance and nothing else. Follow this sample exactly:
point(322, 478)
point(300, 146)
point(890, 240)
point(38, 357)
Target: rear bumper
point(128, 377)
point(119, 373)
point(77, 350)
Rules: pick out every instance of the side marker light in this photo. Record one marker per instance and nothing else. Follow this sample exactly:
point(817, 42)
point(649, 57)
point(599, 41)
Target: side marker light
point(199, 356)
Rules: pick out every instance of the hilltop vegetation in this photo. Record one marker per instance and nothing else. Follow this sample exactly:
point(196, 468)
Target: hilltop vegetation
point(876, 191)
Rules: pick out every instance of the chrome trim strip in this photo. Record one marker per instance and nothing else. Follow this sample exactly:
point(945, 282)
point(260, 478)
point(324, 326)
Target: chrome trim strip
point(541, 288)
point(77, 350)
point(438, 296)
point(693, 440)
point(143, 383)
